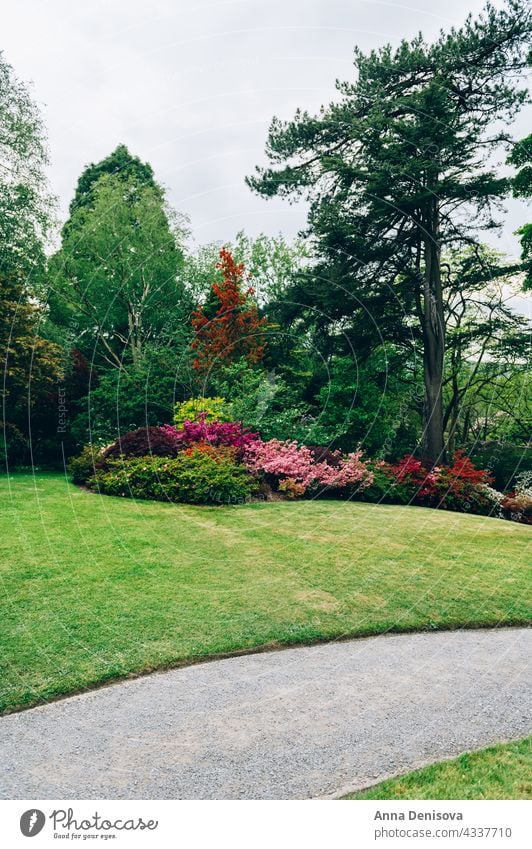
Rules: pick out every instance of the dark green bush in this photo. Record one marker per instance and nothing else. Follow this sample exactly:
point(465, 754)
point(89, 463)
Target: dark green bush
point(83, 467)
point(193, 477)
point(14, 448)
point(503, 460)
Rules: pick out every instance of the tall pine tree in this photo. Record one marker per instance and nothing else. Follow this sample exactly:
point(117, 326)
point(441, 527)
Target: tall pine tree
point(401, 169)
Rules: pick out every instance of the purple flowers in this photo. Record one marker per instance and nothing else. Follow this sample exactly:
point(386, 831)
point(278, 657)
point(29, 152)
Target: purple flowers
point(232, 434)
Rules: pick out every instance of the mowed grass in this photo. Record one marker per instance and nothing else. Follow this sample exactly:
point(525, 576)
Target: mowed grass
point(95, 588)
point(500, 772)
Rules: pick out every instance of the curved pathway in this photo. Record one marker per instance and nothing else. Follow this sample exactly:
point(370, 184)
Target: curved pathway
point(304, 722)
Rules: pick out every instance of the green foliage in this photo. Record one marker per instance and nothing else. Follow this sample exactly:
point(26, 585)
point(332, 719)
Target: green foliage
point(363, 404)
point(14, 447)
point(503, 460)
point(26, 207)
point(215, 409)
point(521, 157)
point(123, 400)
point(400, 166)
point(193, 477)
point(120, 163)
point(31, 369)
point(270, 263)
point(83, 467)
point(114, 278)
point(263, 401)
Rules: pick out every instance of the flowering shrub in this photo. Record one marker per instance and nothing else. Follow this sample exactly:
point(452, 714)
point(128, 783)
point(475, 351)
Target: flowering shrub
point(462, 487)
point(195, 478)
point(291, 488)
point(232, 434)
point(286, 460)
point(207, 409)
point(517, 505)
point(414, 480)
point(459, 486)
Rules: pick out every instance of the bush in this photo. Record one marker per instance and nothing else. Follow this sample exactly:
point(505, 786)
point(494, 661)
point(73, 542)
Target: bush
point(518, 505)
point(204, 409)
point(278, 461)
point(459, 486)
point(14, 447)
point(231, 434)
point(144, 442)
point(503, 460)
point(83, 467)
point(194, 477)
point(291, 489)
point(462, 487)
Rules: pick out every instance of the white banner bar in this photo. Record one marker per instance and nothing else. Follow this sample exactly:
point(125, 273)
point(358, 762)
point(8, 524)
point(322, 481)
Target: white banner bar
point(265, 825)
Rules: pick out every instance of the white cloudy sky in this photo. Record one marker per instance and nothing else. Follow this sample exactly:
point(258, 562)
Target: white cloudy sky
point(192, 86)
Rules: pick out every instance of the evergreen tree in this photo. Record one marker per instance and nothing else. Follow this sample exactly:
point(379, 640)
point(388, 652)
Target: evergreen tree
point(120, 163)
point(521, 156)
point(400, 170)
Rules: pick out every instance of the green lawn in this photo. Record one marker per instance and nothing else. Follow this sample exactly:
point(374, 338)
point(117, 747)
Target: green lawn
point(500, 772)
point(94, 587)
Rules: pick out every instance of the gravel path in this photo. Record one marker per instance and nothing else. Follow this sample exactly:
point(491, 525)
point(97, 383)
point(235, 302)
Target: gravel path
point(299, 723)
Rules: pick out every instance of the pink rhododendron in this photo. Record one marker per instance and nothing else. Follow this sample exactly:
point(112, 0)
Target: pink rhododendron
point(289, 460)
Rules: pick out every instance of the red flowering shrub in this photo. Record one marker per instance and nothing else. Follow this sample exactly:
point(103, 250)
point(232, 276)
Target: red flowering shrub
point(413, 480)
point(462, 487)
point(459, 486)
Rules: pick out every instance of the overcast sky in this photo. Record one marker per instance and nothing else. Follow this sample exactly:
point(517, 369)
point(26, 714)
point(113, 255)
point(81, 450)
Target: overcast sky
point(192, 86)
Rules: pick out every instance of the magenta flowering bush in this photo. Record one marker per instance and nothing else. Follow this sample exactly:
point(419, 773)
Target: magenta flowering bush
point(287, 460)
point(231, 434)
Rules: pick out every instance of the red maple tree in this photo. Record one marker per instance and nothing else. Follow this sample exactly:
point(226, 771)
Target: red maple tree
point(234, 330)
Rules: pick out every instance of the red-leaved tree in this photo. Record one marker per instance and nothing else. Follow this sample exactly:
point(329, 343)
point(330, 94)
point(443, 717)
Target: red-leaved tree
point(229, 326)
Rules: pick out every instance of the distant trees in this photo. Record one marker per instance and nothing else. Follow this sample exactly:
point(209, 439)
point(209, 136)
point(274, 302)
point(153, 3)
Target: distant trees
point(399, 171)
point(26, 206)
point(388, 323)
point(31, 367)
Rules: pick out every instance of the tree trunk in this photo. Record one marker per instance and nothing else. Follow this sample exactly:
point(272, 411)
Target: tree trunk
point(134, 336)
point(433, 341)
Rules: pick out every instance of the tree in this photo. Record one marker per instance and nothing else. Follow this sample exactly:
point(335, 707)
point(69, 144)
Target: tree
point(117, 270)
point(120, 163)
point(228, 326)
point(487, 342)
point(31, 365)
point(521, 156)
point(26, 207)
point(401, 169)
